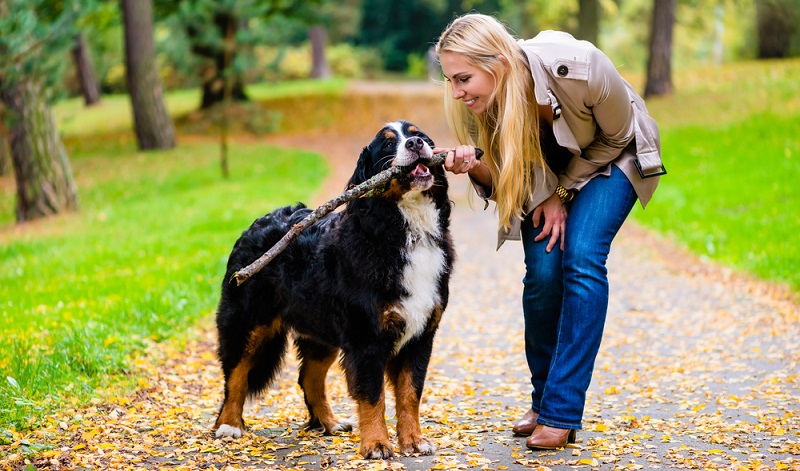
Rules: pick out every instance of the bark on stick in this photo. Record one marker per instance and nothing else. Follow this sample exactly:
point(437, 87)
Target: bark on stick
point(366, 189)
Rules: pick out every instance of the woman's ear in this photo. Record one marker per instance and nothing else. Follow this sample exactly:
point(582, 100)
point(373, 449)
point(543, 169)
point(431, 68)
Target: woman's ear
point(503, 61)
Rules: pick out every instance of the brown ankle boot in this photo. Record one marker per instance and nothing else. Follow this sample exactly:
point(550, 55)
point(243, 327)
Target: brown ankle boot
point(526, 424)
point(550, 438)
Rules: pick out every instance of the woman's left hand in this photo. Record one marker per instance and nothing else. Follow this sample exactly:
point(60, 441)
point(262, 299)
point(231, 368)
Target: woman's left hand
point(555, 221)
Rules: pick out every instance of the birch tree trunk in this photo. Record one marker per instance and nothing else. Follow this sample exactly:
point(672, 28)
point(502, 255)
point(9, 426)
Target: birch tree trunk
point(45, 185)
point(154, 128)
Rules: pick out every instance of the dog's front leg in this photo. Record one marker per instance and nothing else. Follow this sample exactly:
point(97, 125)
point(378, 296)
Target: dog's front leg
point(374, 434)
point(364, 369)
point(407, 375)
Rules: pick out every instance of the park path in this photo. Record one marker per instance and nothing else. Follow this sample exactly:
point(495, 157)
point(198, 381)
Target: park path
point(699, 369)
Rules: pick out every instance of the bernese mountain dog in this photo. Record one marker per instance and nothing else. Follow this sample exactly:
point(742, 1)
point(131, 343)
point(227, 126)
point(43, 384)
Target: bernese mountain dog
point(367, 285)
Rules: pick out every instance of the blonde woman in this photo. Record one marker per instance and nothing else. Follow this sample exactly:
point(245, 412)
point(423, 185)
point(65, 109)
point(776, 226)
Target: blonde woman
point(569, 149)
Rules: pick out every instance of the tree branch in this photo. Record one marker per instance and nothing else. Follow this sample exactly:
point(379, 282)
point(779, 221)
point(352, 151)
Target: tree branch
point(367, 189)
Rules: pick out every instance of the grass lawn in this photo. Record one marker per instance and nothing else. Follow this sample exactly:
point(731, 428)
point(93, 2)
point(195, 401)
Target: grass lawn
point(731, 145)
point(85, 294)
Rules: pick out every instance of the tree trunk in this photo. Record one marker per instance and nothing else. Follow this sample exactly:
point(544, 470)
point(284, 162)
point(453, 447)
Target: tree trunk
point(217, 77)
point(659, 67)
point(5, 160)
point(85, 70)
point(776, 26)
point(154, 128)
point(588, 20)
point(44, 175)
point(319, 39)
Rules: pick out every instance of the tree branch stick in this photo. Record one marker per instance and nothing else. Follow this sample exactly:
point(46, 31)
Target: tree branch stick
point(366, 189)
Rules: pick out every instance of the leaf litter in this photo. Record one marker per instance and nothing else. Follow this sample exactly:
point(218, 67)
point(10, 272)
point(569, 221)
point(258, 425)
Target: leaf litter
point(698, 370)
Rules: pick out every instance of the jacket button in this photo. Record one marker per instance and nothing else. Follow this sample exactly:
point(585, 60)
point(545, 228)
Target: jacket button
point(562, 70)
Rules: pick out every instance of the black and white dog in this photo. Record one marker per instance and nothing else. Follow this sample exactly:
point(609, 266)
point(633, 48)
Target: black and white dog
point(367, 285)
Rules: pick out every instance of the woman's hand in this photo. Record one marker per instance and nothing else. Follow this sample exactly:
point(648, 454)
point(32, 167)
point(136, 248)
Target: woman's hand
point(555, 221)
point(462, 159)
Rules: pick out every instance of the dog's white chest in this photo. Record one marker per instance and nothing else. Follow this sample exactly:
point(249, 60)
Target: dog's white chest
point(425, 263)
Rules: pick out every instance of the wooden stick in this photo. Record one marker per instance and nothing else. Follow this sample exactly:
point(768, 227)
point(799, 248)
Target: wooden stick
point(366, 189)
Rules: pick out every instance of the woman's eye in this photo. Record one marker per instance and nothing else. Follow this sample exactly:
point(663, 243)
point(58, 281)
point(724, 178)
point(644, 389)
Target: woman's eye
point(463, 80)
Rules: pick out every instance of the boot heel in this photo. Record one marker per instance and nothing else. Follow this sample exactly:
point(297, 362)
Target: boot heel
point(572, 435)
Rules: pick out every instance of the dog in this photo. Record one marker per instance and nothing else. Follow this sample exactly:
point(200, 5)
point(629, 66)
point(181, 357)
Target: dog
point(367, 285)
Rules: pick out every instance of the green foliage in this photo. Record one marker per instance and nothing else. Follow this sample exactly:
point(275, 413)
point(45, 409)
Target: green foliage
point(140, 263)
point(294, 62)
point(36, 34)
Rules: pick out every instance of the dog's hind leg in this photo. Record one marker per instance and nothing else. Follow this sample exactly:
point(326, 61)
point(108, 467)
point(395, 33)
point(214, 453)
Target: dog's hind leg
point(260, 359)
point(315, 361)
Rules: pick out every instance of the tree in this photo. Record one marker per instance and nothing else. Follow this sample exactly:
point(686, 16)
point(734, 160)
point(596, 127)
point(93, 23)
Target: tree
point(659, 64)
point(35, 34)
point(85, 70)
point(154, 128)
point(319, 62)
point(588, 21)
point(777, 23)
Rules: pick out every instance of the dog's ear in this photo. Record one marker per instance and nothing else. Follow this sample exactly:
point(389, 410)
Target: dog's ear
point(360, 173)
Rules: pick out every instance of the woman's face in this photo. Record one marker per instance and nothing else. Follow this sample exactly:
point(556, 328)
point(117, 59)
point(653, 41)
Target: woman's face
point(470, 84)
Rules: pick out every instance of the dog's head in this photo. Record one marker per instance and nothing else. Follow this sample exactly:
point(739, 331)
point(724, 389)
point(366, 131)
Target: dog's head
point(398, 144)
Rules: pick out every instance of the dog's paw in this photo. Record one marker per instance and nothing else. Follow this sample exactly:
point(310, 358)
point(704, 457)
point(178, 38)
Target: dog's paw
point(376, 451)
point(344, 425)
point(225, 430)
point(420, 445)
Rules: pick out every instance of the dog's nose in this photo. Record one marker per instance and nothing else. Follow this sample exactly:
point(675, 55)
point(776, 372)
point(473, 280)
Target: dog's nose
point(414, 144)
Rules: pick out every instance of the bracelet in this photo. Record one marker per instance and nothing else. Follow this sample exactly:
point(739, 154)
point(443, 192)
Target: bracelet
point(564, 195)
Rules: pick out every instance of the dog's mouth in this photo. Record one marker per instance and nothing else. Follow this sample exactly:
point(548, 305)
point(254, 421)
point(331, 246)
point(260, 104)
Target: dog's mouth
point(420, 177)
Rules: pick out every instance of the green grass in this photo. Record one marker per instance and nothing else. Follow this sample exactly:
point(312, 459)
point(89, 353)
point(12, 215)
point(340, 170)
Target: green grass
point(731, 144)
point(84, 294)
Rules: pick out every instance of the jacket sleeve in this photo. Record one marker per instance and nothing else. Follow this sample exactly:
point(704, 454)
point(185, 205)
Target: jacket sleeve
point(611, 108)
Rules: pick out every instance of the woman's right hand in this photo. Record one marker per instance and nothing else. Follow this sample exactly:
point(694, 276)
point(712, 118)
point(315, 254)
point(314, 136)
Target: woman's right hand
point(555, 221)
point(460, 159)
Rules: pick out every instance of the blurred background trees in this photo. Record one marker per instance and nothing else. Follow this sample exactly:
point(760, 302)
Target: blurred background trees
point(50, 49)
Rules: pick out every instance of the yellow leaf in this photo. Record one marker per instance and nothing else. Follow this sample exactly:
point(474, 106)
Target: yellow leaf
point(600, 428)
point(79, 446)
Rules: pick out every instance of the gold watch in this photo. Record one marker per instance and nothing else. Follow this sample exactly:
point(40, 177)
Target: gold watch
point(564, 195)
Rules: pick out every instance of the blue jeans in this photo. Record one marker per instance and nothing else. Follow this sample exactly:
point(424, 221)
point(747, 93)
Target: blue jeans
point(565, 298)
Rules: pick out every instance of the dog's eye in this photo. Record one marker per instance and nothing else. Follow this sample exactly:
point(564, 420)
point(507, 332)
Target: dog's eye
point(388, 145)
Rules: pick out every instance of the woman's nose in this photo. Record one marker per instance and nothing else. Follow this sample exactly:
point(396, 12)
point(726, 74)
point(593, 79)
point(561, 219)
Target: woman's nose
point(457, 93)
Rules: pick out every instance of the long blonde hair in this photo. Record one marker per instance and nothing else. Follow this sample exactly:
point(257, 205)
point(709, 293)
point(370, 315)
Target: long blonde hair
point(508, 131)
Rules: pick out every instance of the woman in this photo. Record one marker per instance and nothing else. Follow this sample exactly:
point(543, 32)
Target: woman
point(569, 147)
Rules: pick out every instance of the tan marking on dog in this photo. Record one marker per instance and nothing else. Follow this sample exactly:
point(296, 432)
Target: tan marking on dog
point(409, 432)
point(436, 317)
point(374, 434)
point(389, 134)
point(313, 373)
point(413, 129)
point(236, 386)
point(394, 191)
point(392, 320)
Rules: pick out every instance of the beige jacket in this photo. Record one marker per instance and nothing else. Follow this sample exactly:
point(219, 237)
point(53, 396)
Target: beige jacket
point(597, 115)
